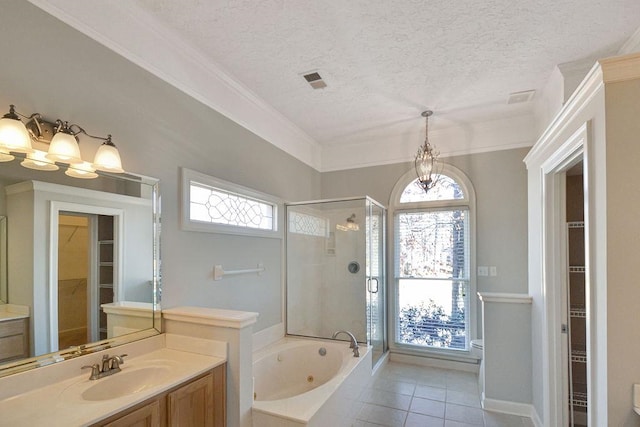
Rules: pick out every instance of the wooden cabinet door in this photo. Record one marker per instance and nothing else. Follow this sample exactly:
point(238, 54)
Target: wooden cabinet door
point(146, 416)
point(192, 404)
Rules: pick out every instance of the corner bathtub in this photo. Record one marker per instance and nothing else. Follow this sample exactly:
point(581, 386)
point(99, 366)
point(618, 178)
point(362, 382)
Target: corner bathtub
point(294, 385)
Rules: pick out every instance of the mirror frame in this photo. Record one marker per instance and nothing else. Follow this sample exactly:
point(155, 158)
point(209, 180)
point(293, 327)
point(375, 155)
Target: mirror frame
point(3, 259)
point(26, 364)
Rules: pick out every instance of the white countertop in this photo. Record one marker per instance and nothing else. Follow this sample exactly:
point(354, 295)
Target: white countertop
point(60, 403)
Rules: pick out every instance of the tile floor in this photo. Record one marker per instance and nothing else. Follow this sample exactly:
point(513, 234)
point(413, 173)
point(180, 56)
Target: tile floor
point(417, 396)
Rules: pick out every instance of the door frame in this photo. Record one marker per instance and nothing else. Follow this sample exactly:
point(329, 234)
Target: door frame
point(555, 273)
point(56, 208)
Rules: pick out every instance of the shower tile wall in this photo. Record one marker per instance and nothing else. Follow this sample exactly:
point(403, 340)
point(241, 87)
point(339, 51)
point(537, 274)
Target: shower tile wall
point(305, 273)
point(322, 295)
point(343, 293)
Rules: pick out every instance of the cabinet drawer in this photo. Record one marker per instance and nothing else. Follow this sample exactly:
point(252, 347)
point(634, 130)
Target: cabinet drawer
point(12, 327)
point(12, 347)
point(146, 416)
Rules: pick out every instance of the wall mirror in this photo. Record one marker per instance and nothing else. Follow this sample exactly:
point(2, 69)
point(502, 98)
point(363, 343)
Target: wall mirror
point(81, 256)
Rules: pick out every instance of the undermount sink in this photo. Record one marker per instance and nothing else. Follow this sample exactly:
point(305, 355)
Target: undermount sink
point(126, 382)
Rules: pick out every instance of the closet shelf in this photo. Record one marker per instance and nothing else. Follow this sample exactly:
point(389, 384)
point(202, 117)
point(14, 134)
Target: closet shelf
point(579, 399)
point(579, 356)
point(577, 312)
point(575, 224)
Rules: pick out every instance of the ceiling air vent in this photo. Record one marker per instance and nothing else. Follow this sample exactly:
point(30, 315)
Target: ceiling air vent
point(315, 80)
point(518, 97)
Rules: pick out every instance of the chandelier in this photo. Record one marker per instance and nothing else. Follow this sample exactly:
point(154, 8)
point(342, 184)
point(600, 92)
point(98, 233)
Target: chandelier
point(428, 165)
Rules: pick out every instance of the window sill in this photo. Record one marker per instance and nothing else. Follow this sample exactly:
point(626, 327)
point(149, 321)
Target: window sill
point(463, 356)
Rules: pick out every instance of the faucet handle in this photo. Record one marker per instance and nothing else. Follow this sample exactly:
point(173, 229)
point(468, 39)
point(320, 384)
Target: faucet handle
point(95, 371)
point(116, 361)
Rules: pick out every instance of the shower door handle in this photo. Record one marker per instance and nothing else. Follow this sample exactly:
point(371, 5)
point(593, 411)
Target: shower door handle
point(372, 279)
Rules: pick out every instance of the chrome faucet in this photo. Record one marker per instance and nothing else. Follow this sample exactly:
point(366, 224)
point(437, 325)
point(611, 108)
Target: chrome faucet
point(110, 366)
point(354, 342)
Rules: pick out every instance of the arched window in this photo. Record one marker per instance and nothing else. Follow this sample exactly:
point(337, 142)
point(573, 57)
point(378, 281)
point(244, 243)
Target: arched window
point(433, 247)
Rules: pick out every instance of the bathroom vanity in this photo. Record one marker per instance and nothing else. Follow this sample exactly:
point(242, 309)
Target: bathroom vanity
point(14, 332)
point(165, 380)
point(198, 402)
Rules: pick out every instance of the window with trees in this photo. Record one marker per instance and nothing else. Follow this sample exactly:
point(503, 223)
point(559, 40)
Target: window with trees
point(432, 253)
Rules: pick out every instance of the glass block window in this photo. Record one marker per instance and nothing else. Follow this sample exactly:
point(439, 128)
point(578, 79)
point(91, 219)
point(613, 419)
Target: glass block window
point(222, 207)
point(310, 225)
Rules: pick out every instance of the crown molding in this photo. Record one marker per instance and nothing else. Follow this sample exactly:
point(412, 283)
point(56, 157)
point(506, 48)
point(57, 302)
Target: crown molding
point(132, 33)
point(621, 68)
point(632, 44)
point(505, 133)
point(584, 93)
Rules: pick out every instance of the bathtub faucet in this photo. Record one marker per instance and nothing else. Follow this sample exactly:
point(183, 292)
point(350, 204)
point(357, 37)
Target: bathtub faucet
point(354, 342)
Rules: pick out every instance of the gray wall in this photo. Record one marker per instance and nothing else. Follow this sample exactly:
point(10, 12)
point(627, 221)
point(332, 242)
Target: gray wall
point(500, 182)
point(50, 68)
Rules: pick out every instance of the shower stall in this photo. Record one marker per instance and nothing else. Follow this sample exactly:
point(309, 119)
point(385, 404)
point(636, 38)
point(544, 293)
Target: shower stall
point(336, 278)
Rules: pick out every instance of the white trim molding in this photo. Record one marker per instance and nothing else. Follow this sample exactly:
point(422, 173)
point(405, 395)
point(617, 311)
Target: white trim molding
point(505, 297)
point(128, 30)
point(507, 407)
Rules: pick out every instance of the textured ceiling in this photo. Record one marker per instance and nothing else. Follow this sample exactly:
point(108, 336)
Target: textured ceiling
point(385, 61)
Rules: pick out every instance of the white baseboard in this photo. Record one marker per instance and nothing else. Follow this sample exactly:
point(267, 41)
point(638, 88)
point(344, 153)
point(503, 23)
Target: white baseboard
point(267, 336)
point(435, 363)
point(507, 407)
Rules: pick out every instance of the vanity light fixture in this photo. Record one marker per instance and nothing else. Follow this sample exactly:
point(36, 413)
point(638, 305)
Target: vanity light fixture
point(5, 156)
point(82, 170)
point(14, 136)
point(428, 165)
point(62, 137)
point(38, 160)
point(64, 146)
point(350, 225)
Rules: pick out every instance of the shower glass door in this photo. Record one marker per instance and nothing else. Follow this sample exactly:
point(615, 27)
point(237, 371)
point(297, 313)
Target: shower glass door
point(376, 280)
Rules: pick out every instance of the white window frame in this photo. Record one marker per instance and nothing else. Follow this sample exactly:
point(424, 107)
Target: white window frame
point(468, 202)
point(189, 176)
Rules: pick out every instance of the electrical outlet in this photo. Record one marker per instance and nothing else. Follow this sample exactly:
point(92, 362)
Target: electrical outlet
point(493, 271)
point(483, 271)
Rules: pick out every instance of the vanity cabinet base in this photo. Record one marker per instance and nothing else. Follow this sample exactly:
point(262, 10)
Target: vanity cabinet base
point(198, 402)
point(14, 339)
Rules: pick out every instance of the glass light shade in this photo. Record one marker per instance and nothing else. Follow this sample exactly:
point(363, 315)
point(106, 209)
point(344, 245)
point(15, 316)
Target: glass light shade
point(82, 170)
point(108, 159)
point(424, 166)
point(64, 148)
point(5, 156)
point(14, 136)
point(349, 226)
point(38, 161)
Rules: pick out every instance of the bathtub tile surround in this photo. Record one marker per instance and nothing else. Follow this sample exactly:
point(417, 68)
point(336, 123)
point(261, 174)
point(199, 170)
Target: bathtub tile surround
point(435, 396)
